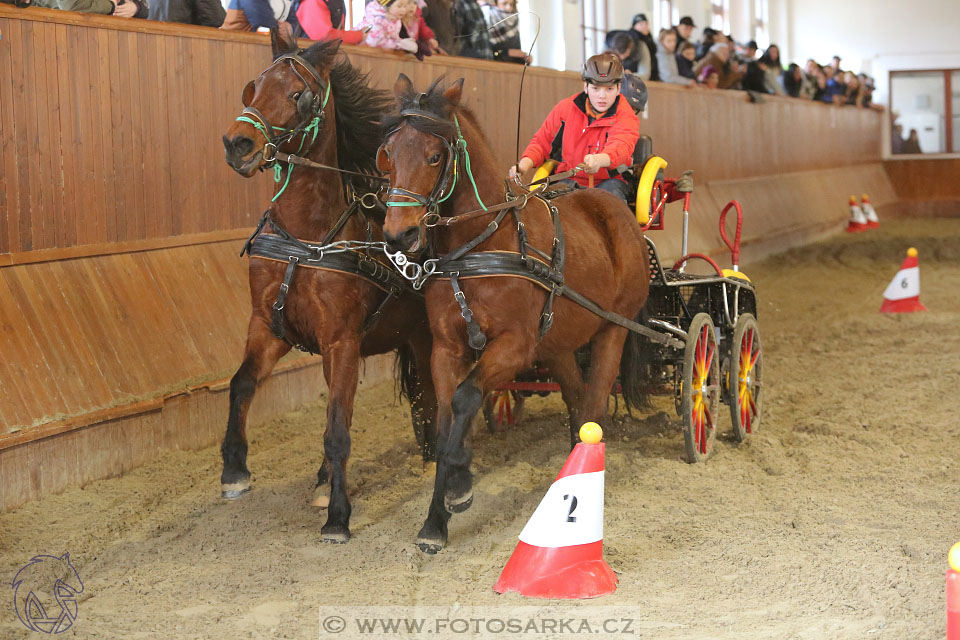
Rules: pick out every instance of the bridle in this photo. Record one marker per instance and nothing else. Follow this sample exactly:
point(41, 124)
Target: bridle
point(310, 109)
point(446, 182)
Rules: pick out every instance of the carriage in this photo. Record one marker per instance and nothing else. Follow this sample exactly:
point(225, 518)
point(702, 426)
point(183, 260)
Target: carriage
point(714, 315)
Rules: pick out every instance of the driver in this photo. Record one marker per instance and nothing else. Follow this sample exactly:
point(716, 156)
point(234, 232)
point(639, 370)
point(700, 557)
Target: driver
point(595, 127)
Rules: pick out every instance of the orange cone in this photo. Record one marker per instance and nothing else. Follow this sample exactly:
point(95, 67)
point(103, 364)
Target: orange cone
point(873, 221)
point(953, 593)
point(858, 222)
point(560, 553)
point(903, 293)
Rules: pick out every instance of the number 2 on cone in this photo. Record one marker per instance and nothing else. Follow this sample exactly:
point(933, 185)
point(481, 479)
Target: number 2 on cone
point(573, 507)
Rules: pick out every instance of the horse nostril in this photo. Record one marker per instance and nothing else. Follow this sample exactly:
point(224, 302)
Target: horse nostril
point(240, 145)
point(403, 240)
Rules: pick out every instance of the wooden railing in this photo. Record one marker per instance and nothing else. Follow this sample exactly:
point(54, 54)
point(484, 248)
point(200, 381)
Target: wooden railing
point(111, 128)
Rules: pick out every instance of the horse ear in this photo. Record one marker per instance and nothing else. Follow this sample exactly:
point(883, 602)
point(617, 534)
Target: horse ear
point(454, 92)
point(281, 45)
point(402, 87)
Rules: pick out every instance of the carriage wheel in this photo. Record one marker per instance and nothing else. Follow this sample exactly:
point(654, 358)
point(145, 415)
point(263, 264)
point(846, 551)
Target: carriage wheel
point(700, 392)
point(502, 409)
point(746, 377)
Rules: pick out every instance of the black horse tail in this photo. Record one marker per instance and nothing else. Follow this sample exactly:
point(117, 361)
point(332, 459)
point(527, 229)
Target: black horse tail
point(405, 373)
point(635, 362)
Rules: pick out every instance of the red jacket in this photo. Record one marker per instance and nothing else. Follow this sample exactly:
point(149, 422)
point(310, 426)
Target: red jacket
point(615, 134)
point(314, 17)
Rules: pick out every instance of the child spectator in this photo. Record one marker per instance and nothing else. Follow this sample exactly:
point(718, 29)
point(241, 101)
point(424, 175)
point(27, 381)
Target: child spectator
point(667, 59)
point(383, 21)
point(834, 91)
point(710, 77)
point(321, 19)
point(414, 26)
point(686, 55)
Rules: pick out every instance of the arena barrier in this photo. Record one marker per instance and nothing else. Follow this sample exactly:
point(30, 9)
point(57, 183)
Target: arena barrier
point(123, 301)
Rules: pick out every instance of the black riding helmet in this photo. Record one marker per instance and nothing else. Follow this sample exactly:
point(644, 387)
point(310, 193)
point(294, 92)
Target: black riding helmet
point(635, 91)
point(602, 69)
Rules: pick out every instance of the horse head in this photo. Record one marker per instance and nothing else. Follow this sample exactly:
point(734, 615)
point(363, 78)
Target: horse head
point(284, 108)
point(420, 154)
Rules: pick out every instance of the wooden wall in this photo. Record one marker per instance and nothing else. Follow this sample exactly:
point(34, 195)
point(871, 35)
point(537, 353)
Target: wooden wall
point(929, 186)
point(123, 303)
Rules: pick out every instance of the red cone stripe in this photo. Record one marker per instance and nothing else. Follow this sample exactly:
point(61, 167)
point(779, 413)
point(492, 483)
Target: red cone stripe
point(585, 458)
point(533, 571)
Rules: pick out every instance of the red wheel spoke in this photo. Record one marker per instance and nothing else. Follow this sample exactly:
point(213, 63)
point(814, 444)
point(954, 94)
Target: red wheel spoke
point(713, 350)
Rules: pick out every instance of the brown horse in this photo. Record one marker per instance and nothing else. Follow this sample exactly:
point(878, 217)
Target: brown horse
point(426, 152)
point(329, 115)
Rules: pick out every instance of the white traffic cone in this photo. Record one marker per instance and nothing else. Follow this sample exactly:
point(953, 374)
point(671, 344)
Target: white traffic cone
point(903, 293)
point(560, 553)
point(873, 221)
point(858, 221)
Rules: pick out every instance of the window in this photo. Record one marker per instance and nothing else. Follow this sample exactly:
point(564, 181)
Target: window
point(355, 9)
point(720, 15)
point(665, 15)
point(925, 107)
point(593, 26)
point(761, 23)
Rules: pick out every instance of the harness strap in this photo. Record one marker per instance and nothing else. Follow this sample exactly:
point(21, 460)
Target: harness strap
point(475, 336)
point(276, 325)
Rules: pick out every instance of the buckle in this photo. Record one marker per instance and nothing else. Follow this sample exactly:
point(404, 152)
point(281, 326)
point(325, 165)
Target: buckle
point(269, 156)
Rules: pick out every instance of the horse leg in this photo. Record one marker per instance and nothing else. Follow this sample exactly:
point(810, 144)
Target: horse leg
point(606, 351)
point(448, 367)
point(262, 352)
point(341, 369)
point(566, 372)
point(423, 403)
point(453, 485)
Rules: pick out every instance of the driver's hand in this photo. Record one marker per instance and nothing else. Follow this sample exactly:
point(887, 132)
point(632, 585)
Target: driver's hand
point(684, 183)
point(595, 161)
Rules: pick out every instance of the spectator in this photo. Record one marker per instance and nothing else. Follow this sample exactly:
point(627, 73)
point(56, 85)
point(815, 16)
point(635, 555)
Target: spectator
point(707, 40)
point(667, 59)
point(750, 51)
point(437, 15)
point(121, 8)
point(710, 77)
point(206, 13)
point(684, 30)
point(642, 29)
point(835, 91)
point(686, 55)
point(835, 65)
point(817, 78)
point(896, 138)
point(383, 20)
point(415, 27)
point(640, 61)
point(504, 27)
point(250, 15)
point(718, 57)
point(773, 69)
point(623, 46)
point(755, 77)
point(798, 84)
point(471, 30)
point(912, 143)
point(320, 19)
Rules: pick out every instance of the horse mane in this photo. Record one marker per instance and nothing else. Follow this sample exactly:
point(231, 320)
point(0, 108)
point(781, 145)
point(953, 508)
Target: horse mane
point(359, 108)
point(433, 102)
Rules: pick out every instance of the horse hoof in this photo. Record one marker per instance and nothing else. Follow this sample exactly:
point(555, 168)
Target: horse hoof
point(234, 490)
point(430, 547)
point(458, 504)
point(335, 535)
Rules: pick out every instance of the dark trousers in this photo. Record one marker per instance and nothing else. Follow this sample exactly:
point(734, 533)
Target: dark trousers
point(613, 186)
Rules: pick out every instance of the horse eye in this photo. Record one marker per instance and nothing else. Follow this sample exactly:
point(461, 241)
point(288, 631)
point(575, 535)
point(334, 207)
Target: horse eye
point(296, 96)
point(434, 159)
